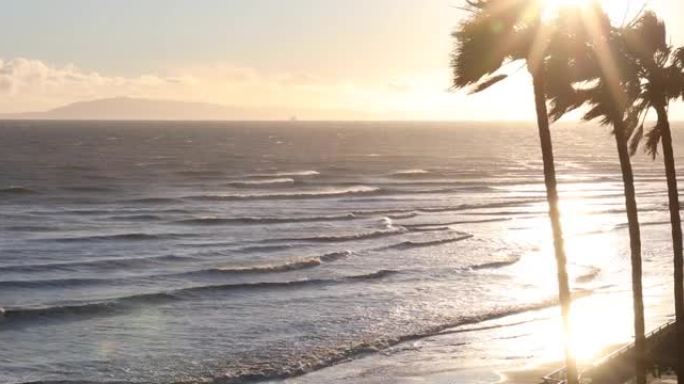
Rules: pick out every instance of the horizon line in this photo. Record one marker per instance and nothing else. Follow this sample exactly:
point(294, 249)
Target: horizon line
point(580, 122)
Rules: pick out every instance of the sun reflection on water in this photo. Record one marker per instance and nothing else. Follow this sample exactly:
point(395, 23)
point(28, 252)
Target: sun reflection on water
point(601, 319)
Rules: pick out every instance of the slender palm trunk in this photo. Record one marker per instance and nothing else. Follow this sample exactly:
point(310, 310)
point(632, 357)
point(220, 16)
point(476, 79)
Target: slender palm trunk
point(635, 250)
point(554, 214)
point(675, 220)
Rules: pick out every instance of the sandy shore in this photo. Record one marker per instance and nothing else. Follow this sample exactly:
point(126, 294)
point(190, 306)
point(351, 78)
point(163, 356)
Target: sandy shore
point(534, 375)
point(531, 375)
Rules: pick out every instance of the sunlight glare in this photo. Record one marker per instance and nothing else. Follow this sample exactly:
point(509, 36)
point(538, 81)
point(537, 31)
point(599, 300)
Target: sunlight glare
point(552, 7)
point(591, 251)
point(555, 4)
point(619, 11)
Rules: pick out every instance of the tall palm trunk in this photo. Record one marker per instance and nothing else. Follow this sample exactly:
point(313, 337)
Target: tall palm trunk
point(635, 250)
point(675, 220)
point(554, 214)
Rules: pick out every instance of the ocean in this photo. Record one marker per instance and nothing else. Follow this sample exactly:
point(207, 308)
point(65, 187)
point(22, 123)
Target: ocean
point(307, 252)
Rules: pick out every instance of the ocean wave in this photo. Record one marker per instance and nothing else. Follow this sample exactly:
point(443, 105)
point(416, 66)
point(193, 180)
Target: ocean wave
point(334, 256)
point(411, 173)
point(430, 243)
point(263, 183)
point(240, 372)
point(29, 228)
point(494, 264)
point(591, 275)
point(392, 231)
point(403, 215)
point(321, 193)
point(643, 224)
point(385, 212)
point(118, 237)
point(264, 248)
point(154, 200)
point(263, 220)
point(305, 173)
point(98, 264)
point(291, 265)
point(17, 190)
point(286, 266)
point(428, 228)
point(200, 173)
point(140, 217)
point(22, 315)
point(449, 208)
point(98, 212)
point(467, 207)
point(74, 167)
point(87, 188)
point(52, 283)
point(417, 226)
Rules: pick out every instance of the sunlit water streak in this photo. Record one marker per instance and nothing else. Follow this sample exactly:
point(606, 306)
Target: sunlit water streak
point(357, 252)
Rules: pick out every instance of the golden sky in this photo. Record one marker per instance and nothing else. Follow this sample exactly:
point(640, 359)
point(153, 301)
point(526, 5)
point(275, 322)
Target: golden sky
point(324, 59)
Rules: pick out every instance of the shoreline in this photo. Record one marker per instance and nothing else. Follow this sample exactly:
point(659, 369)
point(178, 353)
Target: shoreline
point(529, 375)
point(535, 374)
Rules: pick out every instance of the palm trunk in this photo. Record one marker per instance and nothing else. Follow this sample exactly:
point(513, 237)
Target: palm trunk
point(554, 214)
point(635, 250)
point(675, 220)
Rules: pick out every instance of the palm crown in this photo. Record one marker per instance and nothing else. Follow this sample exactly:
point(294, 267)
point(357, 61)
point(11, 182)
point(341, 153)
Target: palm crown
point(497, 32)
point(662, 72)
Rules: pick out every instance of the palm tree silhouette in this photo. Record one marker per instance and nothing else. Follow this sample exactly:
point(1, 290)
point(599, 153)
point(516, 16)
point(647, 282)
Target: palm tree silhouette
point(498, 32)
point(661, 69)
point(601, 53)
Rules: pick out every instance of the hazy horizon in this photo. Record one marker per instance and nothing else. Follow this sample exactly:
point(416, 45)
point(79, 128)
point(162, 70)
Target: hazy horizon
point(137, 109)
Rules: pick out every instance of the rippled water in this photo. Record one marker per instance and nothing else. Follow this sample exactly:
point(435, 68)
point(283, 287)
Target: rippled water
point(364, 252)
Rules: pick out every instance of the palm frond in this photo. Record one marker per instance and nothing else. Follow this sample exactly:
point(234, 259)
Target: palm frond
point(646, 36)
point(679, 57)
point(475, 54)
point(635, 140)
point(486, 83)
point(653, 139)
point(497, 31)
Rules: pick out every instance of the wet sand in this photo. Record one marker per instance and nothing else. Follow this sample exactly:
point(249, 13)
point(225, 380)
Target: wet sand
point(530, 375)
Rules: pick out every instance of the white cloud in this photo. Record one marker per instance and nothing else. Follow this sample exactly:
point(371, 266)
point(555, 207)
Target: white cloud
point(28, 84)
point(33, 85)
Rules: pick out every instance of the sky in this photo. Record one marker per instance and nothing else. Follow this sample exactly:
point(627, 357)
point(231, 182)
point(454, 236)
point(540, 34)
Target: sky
point(329, 59)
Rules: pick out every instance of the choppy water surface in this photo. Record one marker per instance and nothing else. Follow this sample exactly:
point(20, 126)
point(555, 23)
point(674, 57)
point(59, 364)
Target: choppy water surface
point(374, 252)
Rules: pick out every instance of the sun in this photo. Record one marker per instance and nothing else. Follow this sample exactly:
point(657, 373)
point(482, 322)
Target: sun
point(566, 3)
point(618, 10)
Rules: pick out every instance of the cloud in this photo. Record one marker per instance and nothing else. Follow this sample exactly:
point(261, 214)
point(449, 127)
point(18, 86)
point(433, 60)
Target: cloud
point(28, 84)
point(34, 85)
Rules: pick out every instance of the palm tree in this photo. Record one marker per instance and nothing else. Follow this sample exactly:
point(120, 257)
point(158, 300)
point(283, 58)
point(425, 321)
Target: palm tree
point(661, 69)
point(498, 32)
point(611, 97)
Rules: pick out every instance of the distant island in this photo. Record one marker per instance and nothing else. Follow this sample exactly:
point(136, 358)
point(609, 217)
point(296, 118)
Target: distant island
point(130, 108)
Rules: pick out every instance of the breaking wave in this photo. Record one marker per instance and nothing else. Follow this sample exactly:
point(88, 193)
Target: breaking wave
point(494, 264)
point(263, 220)
point(430, 243)
point(411, 173)
point(290, 265)
point(20, 315)
point(286, 174)
point(298, 365)
point(263, 183)
point(391, 231)
point(321, 193)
